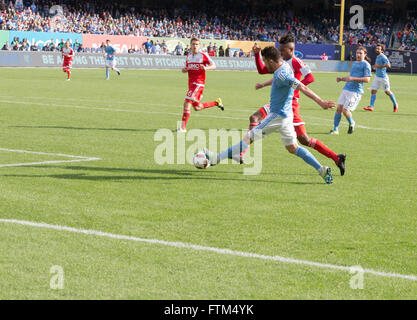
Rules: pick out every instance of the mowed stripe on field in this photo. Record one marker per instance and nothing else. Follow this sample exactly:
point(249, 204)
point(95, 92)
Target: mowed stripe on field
point(177, 114)
point(223, 251)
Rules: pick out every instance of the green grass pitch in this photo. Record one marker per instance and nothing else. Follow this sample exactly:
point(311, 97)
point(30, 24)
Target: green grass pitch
point(366, 218)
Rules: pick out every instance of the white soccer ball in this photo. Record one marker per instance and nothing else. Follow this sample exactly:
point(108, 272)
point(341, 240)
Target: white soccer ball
point(200, 160)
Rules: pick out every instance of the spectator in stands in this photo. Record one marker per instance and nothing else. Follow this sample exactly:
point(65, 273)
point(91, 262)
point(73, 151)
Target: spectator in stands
point(187, 50)
point(34, 47)
point(15, 44)
point(178, 49)
point(221, 51)
point(76, 45)
point(241, 54)
point(7, 46)
point(228, 50)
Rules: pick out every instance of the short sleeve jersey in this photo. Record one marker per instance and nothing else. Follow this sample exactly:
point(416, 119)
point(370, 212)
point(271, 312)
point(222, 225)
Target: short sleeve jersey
point(193, 63)
point(381, 60)
point(110, 51)
point(359, 69)
point(68, 51)
point(282, 91)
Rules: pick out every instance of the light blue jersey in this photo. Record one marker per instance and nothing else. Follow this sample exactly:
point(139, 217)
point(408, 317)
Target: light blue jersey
point(110, 51)
point(381, 60)
point(359, 69)
point(282, 90)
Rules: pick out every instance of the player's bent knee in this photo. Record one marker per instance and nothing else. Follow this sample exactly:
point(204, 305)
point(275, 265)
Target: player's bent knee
point(292, 148)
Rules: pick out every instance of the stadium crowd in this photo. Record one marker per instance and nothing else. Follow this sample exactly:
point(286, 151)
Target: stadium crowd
point(408, 36)
point(111, 18)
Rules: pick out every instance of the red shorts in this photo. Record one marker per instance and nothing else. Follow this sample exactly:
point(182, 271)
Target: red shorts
point(66, 66)
point(299, 124)
point(195, 93)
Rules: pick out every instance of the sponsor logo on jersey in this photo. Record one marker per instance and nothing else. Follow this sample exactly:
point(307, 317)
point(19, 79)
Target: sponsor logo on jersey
point(194, 66)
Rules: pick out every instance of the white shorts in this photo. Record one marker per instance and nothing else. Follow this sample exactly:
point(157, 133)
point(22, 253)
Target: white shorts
point(380, 83)
point(349, 100)
point(275, 123)
point(111, 63)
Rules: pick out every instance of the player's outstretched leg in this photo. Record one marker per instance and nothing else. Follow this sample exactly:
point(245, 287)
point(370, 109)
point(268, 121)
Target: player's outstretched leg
point(339, 159)
point(205, 105)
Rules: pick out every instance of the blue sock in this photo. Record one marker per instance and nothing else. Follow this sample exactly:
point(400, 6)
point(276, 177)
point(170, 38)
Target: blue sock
point(308, 157)
point(107, 73)
point(337, 117)
point(350, 120)
point(373, 98)
point(233, 150)
point(392, 97)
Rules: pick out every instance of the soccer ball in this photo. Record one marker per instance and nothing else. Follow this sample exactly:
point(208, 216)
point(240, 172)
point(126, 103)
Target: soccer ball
point(200, 160)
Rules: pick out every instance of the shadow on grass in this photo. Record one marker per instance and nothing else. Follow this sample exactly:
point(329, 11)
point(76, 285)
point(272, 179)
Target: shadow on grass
point(79, 128)
point(146, 175)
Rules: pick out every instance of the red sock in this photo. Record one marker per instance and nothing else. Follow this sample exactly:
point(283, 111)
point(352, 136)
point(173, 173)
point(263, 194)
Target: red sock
point(209, 104)
point(185, 117)
point(323, 149)
point(69, 74)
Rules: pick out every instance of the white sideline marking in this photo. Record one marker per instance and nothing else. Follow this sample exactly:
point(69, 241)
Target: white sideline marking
point(177, 114)
point(204, 248)
point(76, 158)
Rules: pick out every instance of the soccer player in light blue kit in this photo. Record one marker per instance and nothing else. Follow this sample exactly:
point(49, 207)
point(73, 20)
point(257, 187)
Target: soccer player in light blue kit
point(280, 118)
point(110, 53)
point(353, 90)
point(381, 79)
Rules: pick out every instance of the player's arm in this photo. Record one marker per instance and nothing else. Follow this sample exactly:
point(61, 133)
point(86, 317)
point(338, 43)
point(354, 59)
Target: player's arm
point(357, 79)
point(208, 64)
point(387, 65)
point(297, 85)
point(262, 85)
point(259, 64)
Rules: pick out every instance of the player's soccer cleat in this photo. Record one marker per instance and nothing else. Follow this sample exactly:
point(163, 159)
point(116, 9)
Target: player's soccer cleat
point(118, 73)
point(334, 132)
point(395, 108)
point(68, 79)
point(351, 128)
point(341, 163)
point(220, 104)
point(211, 156)
point(368, 108)
point(326, 174)
point(180, 130)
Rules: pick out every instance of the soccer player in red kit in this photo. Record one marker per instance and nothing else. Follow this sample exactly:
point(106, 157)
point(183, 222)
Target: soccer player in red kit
point(286, 48)
point(197, 63)
point(67, 54)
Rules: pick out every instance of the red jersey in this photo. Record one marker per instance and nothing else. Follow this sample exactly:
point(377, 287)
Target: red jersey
point(66, 52)
point(193, 63)
point(300, 69)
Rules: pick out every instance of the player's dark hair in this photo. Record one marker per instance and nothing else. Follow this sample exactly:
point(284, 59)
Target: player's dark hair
point(288, 38)
point(366, 53)
point(382, 46)
point(194, 39)
point(271, 53)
